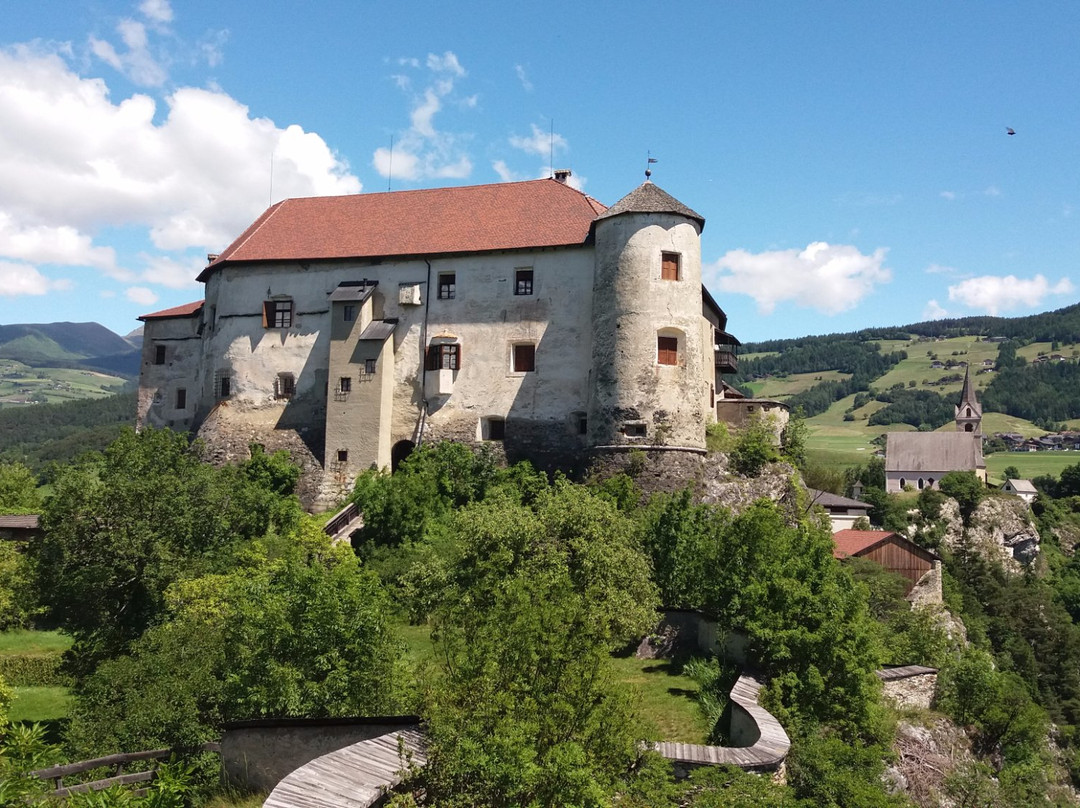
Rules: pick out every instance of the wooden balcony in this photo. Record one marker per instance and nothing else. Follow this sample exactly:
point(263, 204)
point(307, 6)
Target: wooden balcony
point(726, 360)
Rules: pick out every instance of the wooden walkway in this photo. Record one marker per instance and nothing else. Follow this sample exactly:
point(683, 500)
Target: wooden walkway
point(903, 672)
point(353, 777)
point(769, 742)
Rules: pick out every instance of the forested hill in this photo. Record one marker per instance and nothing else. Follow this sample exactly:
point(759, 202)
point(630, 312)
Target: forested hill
point(1026, 367)
point(1061, 325)
point(88, 345)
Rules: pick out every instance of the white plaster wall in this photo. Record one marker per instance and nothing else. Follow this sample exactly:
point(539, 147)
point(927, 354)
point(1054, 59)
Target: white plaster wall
point(631, 305)
point(158, 384)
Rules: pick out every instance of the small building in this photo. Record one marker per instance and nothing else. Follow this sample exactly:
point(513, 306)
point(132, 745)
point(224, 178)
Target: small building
point(921, 567)
point(843, 511)
point(1024, 489)
point(20, 527)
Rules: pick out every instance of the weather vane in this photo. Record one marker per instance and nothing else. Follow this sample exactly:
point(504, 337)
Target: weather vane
point(648, 162)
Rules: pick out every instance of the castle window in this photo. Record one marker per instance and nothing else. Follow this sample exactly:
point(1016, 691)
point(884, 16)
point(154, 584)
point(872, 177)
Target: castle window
point(669, 266)
point(159, 354)
point(224, 385)
point(667, 350)
point(181, 399)
point(441, 356)
point(369, 367)
point(447, 285)
point(278, 313)
point(523, 282)
point(494, 429)
point(345, 384)
point(285, 386)
point(348, 312)
point(343, 455)
point(634, 430)
point(524, 358)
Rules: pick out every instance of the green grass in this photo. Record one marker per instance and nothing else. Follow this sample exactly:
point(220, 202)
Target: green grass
point(1030, 464)
point(20, 383)
point(667, 698)
point(777, 387)
point(33, 642)
point(41, 703)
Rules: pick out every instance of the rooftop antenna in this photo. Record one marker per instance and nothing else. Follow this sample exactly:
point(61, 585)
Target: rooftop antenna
point(648, 162)
point(551, 149)
point(390, 170)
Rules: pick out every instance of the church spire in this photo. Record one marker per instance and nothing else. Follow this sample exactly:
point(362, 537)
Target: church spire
point(969, 410)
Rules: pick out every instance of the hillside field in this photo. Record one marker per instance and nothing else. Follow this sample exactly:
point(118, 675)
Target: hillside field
point(22, 384)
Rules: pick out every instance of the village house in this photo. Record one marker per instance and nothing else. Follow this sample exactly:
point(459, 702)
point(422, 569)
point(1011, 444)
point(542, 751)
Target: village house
point(921, 567)
point(843, 511)
point(1024, 489)
point(526, 316)
point(920, 459)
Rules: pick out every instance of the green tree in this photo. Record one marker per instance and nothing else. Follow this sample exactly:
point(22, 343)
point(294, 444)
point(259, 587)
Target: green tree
point(18, 489)
point(966, 488)
point(297, 629)
point(1011, 473)
point(121, 528)
point(524, 709)
point(755, 446)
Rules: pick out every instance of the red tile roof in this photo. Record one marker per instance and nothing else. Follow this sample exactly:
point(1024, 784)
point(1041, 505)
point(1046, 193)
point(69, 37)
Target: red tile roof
point(187, 310)
point(476, 218)
point(852, 542)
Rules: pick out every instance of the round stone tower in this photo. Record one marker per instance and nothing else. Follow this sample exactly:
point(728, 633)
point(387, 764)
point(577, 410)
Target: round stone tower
point(652, 348)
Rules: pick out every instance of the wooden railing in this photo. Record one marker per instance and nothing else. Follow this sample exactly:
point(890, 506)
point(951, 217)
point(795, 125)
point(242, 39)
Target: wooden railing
point(341, 519)
point(117, 763)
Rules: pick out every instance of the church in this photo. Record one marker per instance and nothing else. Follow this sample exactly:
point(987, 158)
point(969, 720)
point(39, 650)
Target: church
point(525, 316)
point(920, 459)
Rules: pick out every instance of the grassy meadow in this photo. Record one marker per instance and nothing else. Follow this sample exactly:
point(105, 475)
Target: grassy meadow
point(22, 384)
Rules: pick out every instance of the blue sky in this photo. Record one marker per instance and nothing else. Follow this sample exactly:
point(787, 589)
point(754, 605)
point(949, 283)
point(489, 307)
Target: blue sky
point(851, 159)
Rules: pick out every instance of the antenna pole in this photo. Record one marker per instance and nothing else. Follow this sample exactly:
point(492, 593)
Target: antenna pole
point(271, 177)
point(551, 149)
point(390, 170)
point(649, 160)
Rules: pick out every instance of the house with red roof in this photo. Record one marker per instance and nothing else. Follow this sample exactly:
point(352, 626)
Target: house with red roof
point(526, 316)
point(921, 567)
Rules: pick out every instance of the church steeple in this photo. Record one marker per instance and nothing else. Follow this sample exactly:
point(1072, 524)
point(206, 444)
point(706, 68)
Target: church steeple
point(969, 410)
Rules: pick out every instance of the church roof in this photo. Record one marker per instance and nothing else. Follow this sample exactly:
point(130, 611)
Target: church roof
point(650, 198)
point(435, 221)
point(933, 451)
point(967, 394)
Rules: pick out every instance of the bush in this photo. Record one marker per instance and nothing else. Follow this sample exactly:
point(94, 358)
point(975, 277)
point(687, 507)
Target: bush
point(33, 670)
point(755, 447)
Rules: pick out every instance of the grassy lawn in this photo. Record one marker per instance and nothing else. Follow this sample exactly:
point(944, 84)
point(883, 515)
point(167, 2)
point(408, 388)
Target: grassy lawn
point(667, 698)
point(33, 642)
point(40, 703)
point(1030, 464)
point(782, 387)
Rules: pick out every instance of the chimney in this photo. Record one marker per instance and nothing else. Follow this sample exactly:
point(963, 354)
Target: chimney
point(211, 257)
point(562, 174)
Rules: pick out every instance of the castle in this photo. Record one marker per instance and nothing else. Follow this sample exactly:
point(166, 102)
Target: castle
point(525, 315)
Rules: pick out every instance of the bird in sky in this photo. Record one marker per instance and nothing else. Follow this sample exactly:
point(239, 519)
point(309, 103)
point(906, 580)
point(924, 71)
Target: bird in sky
point(1009, 130)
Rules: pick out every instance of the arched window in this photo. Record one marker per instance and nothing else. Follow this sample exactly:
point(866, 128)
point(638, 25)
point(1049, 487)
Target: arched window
point(903, 483)
point(920, 483)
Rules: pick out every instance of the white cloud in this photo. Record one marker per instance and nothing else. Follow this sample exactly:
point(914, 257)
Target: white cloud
point(830, 278)
point(992, 190)
point(171, 273)
point(934, 311)
point(73, 162)
point(137, 62)
point(540, 142)
point(22, 279)
point(941, 269)
point(140, 295)
point(949, 195)
point(423, 150)
point(995, 293)
point(505, 173)
point(159, 11)
point(523, 78)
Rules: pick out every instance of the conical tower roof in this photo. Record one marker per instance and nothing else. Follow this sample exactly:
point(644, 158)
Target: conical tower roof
point(967, 394)
point(650, 198)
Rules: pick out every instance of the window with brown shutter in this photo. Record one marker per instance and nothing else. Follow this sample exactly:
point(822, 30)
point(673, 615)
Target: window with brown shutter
point(524, 358)
point(444, 356)
point(669, 266)
point(278, 313)
point(667, 350)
